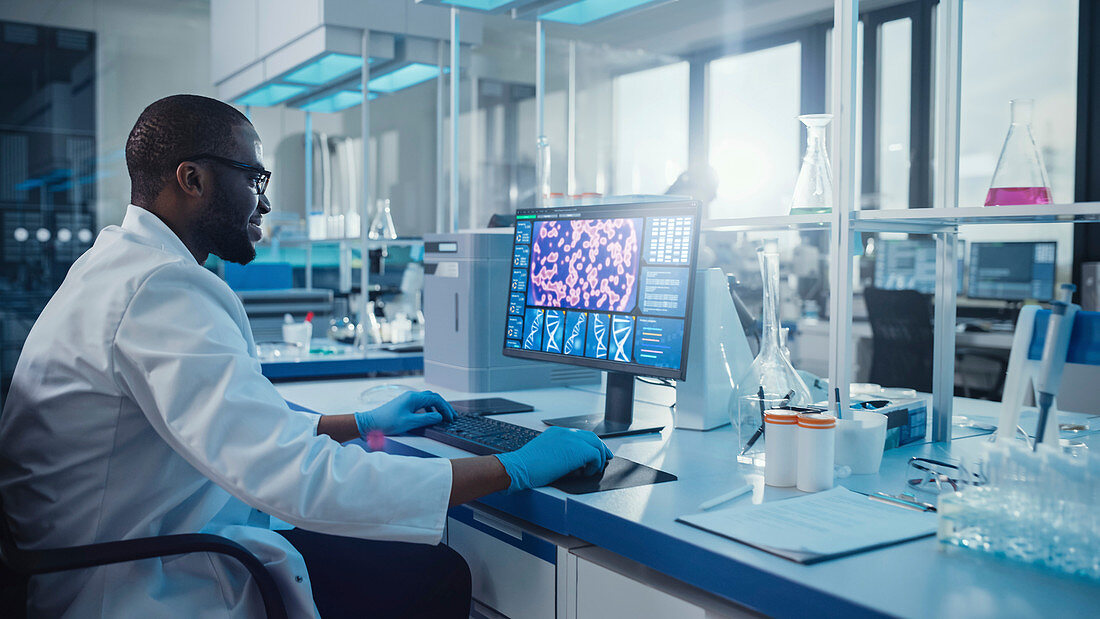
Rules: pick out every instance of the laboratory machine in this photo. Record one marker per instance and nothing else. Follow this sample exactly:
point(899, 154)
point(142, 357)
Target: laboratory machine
point(466, 277)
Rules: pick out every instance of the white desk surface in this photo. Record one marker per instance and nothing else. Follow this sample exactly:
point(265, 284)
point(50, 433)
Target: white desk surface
point(916, 579)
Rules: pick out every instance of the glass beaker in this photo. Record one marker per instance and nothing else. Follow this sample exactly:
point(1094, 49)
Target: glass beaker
point(1020, 176)
point(770, 381)
point(813, 191)
point(381, 225)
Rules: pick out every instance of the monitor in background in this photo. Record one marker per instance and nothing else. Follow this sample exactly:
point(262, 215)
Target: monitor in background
point(906, 265)
point(1012, 271)
point(910, 264)
point(607, 287)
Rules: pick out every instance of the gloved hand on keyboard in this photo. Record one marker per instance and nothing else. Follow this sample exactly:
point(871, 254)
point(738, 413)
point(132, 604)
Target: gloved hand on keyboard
point(554, 453)
point(408, 411)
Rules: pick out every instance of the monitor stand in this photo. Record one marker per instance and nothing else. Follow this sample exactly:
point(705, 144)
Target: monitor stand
point(618, 418)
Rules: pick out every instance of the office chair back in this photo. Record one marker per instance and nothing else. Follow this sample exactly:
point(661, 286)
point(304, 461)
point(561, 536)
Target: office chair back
point(901, 329)
point(19, 564)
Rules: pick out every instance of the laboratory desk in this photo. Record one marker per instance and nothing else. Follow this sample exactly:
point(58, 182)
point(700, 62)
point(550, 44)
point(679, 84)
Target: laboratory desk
point(328, 360)
point(632, 534)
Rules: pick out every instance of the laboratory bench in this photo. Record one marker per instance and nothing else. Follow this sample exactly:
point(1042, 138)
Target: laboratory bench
point(328, 359)
point(621, 553)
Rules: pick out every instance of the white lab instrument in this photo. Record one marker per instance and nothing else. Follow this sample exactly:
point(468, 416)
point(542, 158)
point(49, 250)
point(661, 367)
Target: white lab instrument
point(781, 448)
point(466, 281)
point(164, 424)
point(816, 451)
point(718, 354)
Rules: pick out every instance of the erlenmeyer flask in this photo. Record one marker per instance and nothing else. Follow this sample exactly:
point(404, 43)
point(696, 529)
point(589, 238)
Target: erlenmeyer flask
point(1020, 176)
point(381, 225)
point(770, 381)
point(813, 191)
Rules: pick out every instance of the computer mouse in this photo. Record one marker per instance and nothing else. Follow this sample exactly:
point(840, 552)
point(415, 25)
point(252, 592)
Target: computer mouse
point(580, 474)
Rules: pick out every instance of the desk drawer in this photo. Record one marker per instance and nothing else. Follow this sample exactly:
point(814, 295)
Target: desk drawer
point(608, 586)
point(514, 572)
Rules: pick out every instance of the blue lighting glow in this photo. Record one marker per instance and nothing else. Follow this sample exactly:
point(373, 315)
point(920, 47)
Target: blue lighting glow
point(481, 5)
point(325, 69)
point(272, 94)
point(408, 75)
point(587, 11)
point(337, 101)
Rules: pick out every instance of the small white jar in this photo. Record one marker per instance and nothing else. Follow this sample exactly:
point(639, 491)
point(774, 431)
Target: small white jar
point(780, 448)
point(816, 451)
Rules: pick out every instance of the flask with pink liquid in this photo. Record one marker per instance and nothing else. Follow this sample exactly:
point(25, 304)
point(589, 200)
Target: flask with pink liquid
point(1020, 176)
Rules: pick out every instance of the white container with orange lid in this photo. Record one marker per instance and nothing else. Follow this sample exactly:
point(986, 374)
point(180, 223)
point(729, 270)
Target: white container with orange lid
point(816, 451)
point(780, 448)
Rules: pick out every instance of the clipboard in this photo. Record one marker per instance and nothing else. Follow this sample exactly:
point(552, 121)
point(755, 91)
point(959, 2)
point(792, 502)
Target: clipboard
point(813, 529)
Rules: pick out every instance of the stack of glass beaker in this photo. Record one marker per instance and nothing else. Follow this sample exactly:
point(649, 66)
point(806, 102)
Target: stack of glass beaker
point(1020, 176)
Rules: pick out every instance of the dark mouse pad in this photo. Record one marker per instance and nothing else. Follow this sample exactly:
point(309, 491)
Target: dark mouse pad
point(620, 473)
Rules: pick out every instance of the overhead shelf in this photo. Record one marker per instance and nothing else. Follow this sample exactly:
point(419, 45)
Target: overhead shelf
point(780, 222)
point(933, 219)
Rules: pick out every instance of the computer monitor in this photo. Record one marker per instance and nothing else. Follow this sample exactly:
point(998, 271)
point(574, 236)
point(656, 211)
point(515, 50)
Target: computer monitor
point(1012, 271)
point(910, 264)
point(607, 287)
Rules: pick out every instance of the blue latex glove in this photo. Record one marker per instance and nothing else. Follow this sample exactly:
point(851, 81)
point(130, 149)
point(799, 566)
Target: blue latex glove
point(554, 453)
point(402, 413)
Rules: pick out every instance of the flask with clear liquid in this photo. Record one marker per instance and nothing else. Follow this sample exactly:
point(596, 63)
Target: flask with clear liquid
point(381, 225)
point(1020, 176)
point(771, 381)
point(813, 191)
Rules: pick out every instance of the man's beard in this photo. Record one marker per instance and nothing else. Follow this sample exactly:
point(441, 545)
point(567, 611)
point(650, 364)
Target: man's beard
point(228, 238)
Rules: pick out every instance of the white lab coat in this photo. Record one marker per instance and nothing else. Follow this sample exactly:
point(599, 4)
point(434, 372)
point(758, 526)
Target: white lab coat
point(138, 409)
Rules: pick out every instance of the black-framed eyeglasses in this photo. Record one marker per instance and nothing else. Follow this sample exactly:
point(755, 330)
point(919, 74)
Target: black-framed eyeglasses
point(259, 178)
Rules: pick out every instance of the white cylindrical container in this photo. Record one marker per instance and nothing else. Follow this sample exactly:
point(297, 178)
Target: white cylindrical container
point(816, 451)
point(780, 448)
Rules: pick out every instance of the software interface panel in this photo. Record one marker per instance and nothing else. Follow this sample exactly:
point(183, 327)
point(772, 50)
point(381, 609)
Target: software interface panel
point(590, 283)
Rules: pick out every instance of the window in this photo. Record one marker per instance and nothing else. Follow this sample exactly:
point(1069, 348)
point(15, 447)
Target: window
point(1000, 64)
point(651, 128)
point(893, 141)
point(753, 134)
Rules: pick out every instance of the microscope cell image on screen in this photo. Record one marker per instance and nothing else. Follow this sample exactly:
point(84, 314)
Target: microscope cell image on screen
point(585, 264)
point(609, 284)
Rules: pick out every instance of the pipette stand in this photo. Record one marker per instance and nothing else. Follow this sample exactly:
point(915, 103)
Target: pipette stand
point(1022, 378)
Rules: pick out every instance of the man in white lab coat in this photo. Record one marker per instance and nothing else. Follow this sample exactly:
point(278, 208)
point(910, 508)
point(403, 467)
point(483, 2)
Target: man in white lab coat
point(138, 409)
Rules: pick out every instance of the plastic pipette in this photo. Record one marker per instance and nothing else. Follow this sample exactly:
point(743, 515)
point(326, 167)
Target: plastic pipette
point(1062, 313)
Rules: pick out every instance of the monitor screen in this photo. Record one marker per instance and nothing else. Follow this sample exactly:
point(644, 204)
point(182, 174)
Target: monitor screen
point(906, 265)
point(606, 286)
point(910, 264)
point(1012, 271)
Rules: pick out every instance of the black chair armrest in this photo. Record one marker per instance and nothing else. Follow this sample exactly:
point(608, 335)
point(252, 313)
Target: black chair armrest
point(91, 555)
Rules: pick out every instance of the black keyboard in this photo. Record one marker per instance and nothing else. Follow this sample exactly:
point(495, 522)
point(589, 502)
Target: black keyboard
point(483, 436)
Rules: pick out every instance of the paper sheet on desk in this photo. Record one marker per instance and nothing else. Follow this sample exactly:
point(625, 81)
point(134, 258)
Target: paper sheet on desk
point(817, 527)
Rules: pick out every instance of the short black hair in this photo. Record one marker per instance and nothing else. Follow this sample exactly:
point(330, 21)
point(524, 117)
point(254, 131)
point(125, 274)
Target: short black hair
point(169, 130)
